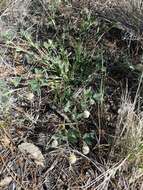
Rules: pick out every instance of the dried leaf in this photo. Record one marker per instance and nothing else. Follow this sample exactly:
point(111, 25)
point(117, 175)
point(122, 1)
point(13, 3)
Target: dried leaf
point(34, 152)
point(6, 141)
point(30, 96)
point(5, 182)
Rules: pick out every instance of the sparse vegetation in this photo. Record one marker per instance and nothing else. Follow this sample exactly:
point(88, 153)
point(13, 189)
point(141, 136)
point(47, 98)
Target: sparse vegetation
point(71, 95)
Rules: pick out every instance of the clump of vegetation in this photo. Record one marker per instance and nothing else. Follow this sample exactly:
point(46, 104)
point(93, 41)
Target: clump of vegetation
point(63, 95)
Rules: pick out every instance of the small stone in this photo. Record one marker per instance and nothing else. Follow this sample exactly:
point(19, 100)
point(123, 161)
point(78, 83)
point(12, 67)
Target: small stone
point(85, 149)
point(54, 143)
point(139, 67)
point(86, 114)
point(72, 158)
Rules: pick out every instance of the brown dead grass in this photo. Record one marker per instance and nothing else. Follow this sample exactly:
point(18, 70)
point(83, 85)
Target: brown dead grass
point(122, 169)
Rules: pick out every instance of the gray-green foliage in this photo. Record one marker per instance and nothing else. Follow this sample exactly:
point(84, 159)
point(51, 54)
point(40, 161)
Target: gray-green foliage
point(5, 98)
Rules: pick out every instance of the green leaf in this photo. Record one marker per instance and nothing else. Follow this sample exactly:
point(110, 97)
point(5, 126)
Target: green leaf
point(89, 137)
point(35, 86)
point(73, 135)
point(98, 97)
point(67, 106)
point(16, 81)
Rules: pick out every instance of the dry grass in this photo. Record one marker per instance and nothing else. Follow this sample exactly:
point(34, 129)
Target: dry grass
point(123, 169)
point(127, 14)
point(21, 117)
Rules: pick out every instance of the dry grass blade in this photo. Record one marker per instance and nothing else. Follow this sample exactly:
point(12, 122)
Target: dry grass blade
point(126, 13)
point(63, 121)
